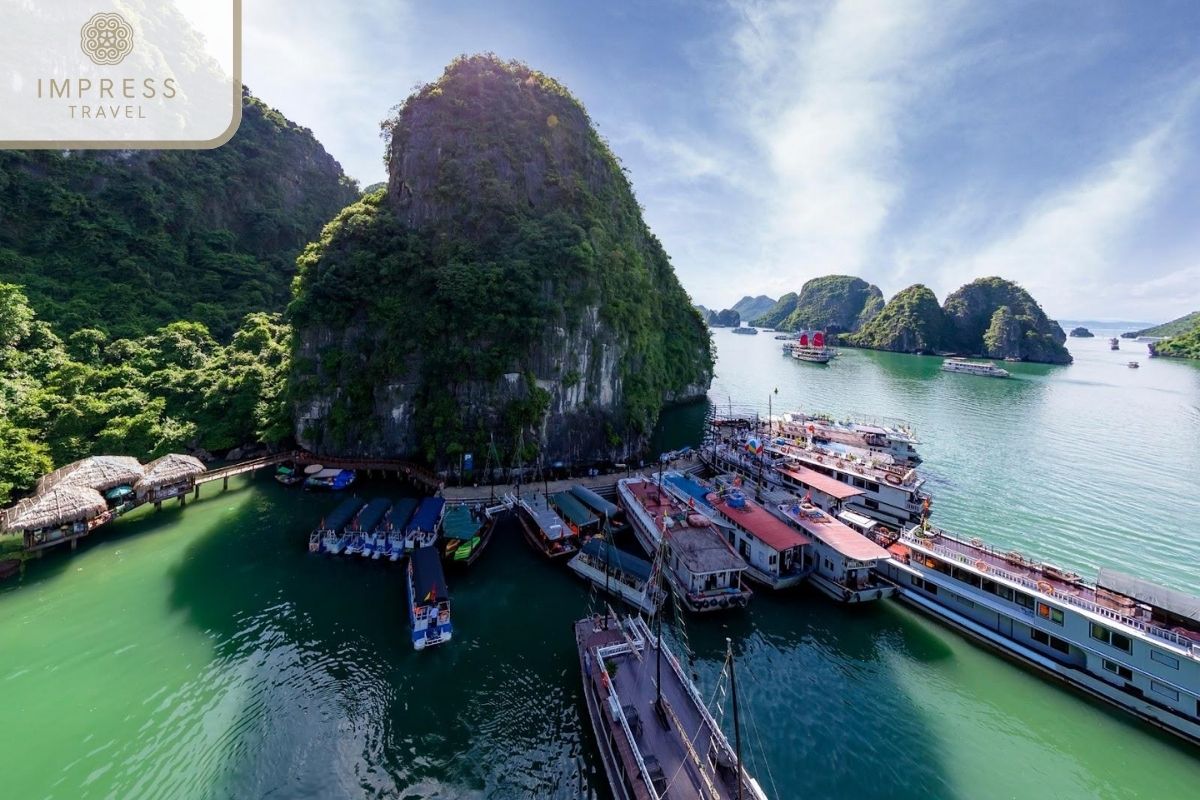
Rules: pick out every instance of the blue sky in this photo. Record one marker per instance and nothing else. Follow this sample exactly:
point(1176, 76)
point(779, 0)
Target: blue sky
point(903, 141)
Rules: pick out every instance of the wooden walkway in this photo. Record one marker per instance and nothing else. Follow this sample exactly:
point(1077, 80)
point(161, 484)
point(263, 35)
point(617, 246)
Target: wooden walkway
point(604, 485)
point(371, 466)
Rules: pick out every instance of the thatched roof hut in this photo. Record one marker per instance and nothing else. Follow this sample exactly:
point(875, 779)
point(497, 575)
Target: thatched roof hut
point(59, 506)
point(97, 472)
point(170, 470)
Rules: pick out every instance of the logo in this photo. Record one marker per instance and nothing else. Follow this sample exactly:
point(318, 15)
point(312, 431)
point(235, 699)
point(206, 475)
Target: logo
point(106, 39)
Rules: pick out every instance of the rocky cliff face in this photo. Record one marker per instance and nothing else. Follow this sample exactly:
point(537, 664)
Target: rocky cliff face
point(750, 308)
point(911, 322)
point(502, 289)
point(1022, 329)
point(836, 303)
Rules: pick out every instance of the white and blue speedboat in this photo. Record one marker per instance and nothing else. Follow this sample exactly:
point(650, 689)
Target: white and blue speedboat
point(329, 536)
point(428, 599)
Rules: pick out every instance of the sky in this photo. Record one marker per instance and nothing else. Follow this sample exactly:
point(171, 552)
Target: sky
point(902, 141)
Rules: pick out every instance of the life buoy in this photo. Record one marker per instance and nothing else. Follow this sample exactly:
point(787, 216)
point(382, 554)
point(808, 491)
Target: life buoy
point(443, 617)
point(1045, 587)
point(820, 459)
point(892, 479)
point(841, 464)
point(981, 566)
point(724, 602)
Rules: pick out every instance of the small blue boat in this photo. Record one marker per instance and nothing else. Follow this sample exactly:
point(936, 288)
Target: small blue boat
point(366, 522)
point(428, 599)
point(396, 524)
point(422, 529)
point(329, 536)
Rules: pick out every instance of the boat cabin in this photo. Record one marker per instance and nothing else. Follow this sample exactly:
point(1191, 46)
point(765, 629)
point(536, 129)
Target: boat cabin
point(844, 562)
point(422, 529)
point(329, 535)
point(578, 517)
point(545, 529)
point(774, 552)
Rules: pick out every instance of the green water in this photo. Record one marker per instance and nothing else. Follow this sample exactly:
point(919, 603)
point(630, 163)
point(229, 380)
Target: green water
point(204, 654)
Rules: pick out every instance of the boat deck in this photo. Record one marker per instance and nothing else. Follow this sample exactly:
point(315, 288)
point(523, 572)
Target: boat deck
point(673, 747)
point(1034, 575)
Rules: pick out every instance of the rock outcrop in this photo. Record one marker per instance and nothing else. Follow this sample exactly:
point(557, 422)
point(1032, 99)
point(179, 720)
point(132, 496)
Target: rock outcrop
point(1023, 331)
point(834, 303)
point(502, 290)
point(1081, 333)
point(725, 318)
point(911, 322)
point(753, 307)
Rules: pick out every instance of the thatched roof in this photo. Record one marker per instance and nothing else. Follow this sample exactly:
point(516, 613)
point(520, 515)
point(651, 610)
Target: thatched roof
point(170, 469)
point(59, 506)
point(98, 472)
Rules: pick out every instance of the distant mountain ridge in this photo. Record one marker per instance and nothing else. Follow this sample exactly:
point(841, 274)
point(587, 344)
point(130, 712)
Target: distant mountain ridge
point(753, 307)
point(1175, 327)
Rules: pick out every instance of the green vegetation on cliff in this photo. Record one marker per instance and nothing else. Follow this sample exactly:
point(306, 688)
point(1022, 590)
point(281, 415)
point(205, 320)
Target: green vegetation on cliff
point(725, 318)
point(749, 308)
point(1183, 345)
point(504, 286)
point(836, 303)
point(989, 316)
point(128, 241)
point(911, 322)
point(174, 389)
point(1184, 325)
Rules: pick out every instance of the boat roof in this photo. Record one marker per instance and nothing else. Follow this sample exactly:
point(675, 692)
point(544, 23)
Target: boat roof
point(618, 559)
point(838, 535)
point(372, 514)
point(326, 473)
point(1160, 597)
point(854, 518)
point(427, 515)
point(762, 524)
point(689, 486)
point(594, 501)
point(820, 482)
point(550, 523)
point(569, 506)
point(344, 512)
point(703, 550)
point(401, 513)
point(428, 579)
point(459, 523)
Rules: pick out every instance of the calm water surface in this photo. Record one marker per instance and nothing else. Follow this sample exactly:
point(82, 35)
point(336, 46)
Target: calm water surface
point(205, 654)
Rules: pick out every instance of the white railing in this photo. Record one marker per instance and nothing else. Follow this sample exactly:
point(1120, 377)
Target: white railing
point(1187, 645)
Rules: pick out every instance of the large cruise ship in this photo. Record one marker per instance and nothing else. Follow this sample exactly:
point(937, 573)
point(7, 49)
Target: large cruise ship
point(896, 440)
point(1122, 639)
point(984, 368)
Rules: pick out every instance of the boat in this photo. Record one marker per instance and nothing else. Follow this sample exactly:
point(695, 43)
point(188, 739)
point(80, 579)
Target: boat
point(811, 347)
point(652, 727)
point(897, 440)
point(776, 554)
point(621, 574)
point(785, 337)
point(888, 492)
point(1133, 365)
point(330, 479)
point(700, 565)
point(982, 368)
point(367, 527)
point(578, 517)
point(1122, 639)
point(428, 599)
point(329, 536)
point(1114, 343)
point(396, 523)
point(746, 331)
point(543, 528)
point(608, 511)
point(466, 531)
point(422, 529)
point(289, 474)
point(846, 565)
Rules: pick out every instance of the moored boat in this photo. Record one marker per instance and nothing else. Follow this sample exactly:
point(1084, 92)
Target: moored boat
point(1125, 640)
point(656, 736)
point(578, 516)
point(428, 599)
point(609, 512)
point(365, 526)
point(618, 573)
point(777, 555)
point(895, 439)
point(701, 567)
point(844, 561)
point(466, 531)
point(544, 529)
point(332, 480)
point(396, 523)
point(329, 536)
point(422, 529)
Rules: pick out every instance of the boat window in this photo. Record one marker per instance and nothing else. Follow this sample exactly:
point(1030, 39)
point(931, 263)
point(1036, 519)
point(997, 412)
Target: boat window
point(1053, 614)
point(1122, 642)
point(1005, 591)
point(1023, 600)
point(1163, 658)
point(1101, 633)
point(869, 503)
point(1164, 690)
point(1041, 637)
point(1117, 669)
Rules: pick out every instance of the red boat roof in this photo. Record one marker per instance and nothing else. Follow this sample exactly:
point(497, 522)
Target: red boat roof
point(841, 537)
point(822, 483)
point(770, 530)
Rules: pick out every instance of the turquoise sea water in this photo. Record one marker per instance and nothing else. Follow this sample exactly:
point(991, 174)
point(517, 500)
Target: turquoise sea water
point(203, 653)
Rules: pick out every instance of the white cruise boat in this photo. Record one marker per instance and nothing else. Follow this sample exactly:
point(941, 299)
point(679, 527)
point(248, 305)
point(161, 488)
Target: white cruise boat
point(1121, 639)
point(618, 573)
point(896, 440)
point(846, 564)
point(983, 368)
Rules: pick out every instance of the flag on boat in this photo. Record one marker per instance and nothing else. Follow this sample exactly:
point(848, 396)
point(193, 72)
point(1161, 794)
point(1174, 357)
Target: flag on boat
point(431, 597)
